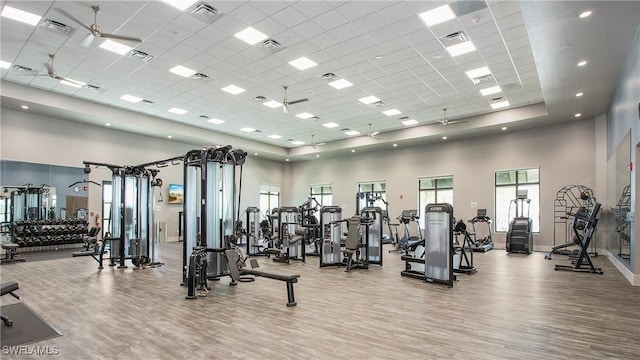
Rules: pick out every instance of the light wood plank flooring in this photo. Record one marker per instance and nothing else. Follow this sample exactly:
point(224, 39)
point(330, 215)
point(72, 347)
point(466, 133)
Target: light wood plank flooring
point(514, 307)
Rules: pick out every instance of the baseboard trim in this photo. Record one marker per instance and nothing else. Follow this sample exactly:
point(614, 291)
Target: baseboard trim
point(634, 279)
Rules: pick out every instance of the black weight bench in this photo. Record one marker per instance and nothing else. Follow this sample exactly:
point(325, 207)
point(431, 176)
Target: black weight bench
point(9, 288)
point(233, 257)
point(10, 253)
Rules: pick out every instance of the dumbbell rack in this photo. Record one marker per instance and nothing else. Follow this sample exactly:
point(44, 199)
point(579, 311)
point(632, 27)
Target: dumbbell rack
point(45, 233)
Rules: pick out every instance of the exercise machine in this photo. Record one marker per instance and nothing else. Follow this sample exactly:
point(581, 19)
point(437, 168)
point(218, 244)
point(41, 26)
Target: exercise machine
point(570, 248)
point(8, 288)
point(10, 256)
point(372, 223)
point(256, 233)
point(570, 199)
point(330, 235)
point(355, 246)
point(486, 243)
point(623, 224)
point(92, 245)
point(308, 220)
point(290, 237)
point(406, 218)
point(463, 250)
point(370, 199)
point(583, 262)
point(435, 264)
point(520, 236)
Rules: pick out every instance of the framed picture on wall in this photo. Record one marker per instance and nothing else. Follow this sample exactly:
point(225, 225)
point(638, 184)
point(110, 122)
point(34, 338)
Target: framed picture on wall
point(176, 193)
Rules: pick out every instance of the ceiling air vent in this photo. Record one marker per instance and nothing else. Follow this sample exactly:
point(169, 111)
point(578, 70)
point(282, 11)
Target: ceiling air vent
point(93, 88)
point(454, 39)
point(200, 76)
point(483, 78)
point(141, 55)
point(380, 103)
point(259, 98)
point(328, 76)
point(206, 12)
point(270, 46)
point(147, 102)
point(497, 100)
point(23, 69)
point(56, 27)
point(403, 118)
point(203, 117)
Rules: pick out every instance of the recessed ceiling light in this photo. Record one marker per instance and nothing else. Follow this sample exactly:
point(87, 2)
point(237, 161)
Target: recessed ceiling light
point(577, 115)
point(302, 63)
point(353, 150)
point(585, 14)
point(178, 111)
point(395, 145)
point(169, 136)
point(232, 89)
point(130, 98)
point(274, 136)
point(317, 155)
point(444, 138)
point(248, 129)
point(582, 63)
point(180, 4)
point(115, 47)
point(462, 48)
point(392, 112)
point(215, 121)
point(499, 105)
point(579, 94)
point(369, 99)
point(272, 104)
point(351, 132)
point(330, 125)
point(182, 71)
point(481, 71)
point(256, 154)
point(409, 122)
point(504, 128)
point(340, 84)
point(72, 83)
point(107, 124)
point(297, 142)
point(286, 159)
point(490, 90)
point(21, 16)
point(304, 115)
point(437, 15)
point(251, 36)
point(24, 107)
point(4, 64)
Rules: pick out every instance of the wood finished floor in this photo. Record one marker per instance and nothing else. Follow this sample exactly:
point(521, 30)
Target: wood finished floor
point(514, 307)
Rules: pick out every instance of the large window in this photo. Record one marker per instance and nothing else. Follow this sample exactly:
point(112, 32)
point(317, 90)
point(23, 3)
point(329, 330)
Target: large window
point(434, 190)
point(508, 184)
point(372, 193)
point(322, 194)
point(269, 198)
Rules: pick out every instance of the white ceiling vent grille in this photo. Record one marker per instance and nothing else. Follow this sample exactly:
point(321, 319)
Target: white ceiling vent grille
point(201, 77)
point(454, 39)
point(140, 55)
point(93, 88)
point(380, 103)
point(147, 102)
point(23, 69)
point(206, 12)
point(497, 100)
point(56, 27)
point(328, 76)
point(270, 46)
point(482, 79)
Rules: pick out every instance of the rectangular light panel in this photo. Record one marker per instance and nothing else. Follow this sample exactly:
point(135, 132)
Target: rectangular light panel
point(215, 121)
point(409, 122)
point(340, 84)
point(182, 71)
point(178, 111)
point(248, 129)
point(369, 99)
point(272, 104)
point(4, 64)
point(251, 36)
point(21, 16)
point(130, 98)
point(392, 112)
point(232, 89)
point(180, 4)
point(305, 115)
point(462, 48)
point(115, 47)
point(72, 83)
point(351, 132)
point(274, 136)
point(302, 63)
point(482, 71)
point(437, 15)
point(297, 142)
point(330, 125)
point(490, 90)
point(500, 105)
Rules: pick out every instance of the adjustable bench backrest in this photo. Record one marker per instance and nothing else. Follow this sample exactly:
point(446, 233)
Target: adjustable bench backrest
point(353, 235)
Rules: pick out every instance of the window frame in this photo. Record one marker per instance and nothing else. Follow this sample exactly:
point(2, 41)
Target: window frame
point(517, 184)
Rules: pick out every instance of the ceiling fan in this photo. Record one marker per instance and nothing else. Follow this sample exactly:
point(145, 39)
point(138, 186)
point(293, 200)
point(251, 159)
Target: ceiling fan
point(314, 144)
point(51, 72)
point(373, 134)
point(94, 29)
point(446, 121)
point(286, 103)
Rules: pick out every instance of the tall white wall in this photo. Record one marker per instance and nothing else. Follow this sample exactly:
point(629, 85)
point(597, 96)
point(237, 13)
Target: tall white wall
point(37, 139)
point(565, 154)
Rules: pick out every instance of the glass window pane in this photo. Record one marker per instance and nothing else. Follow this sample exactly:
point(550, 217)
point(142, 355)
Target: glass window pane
point(445, 182)
point(380, 186)
point(106, 191)
point(316, 190)
point(427, 184)
point(426, 197)
point(264, 203)
point(365, 187)
point(504, 195)
point(274, 200)
point(533, 193)
point(506, 178)
point(528, 176)
point(444, 196)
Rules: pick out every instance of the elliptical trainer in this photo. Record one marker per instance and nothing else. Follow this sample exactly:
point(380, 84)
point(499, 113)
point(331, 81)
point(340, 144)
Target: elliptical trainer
point(520, 236)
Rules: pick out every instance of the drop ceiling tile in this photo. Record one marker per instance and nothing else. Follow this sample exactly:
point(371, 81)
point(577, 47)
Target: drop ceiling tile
point(346, 32)
point(267, 7)
point(510, 21)
point(289, 17)
point(361, 42)
point(369, 22)
point(384, 34)
point(487, 40)
point(504, 8)
point(330, 20)
point(353, 10)
point(308, 29)
point(249, 14)
point(230, 25)
point(269, 26)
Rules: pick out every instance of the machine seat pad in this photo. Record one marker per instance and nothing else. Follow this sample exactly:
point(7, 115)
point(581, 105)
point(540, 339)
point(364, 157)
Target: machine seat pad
point(288, 278)
point(9, 287)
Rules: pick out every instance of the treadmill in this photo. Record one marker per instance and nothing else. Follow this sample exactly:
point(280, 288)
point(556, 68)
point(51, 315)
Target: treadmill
point(485, 244)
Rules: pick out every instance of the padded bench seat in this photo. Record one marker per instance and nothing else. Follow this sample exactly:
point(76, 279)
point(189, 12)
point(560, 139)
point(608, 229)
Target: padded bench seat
point(289, 279)
point(9, 287)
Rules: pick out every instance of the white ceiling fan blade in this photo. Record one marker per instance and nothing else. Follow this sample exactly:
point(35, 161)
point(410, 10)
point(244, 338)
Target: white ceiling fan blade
point(87, 41)
point(285, 108)
point(119, 37)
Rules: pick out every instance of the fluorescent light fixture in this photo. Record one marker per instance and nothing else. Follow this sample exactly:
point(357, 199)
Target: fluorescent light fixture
point(272, 104)
point(178, 111)
point(304, 115)
point(302, 63)
point(585, 14)
point(351, 132)
point(579, 94)
point(21, 16)
point(437, 15)
point(499, 105)
point(297, 142)
point(462, 48)
point(409, 122)
point(24, 107)
point(248, 129)
point(340, 84)
point(369, 99)
point(490, 90)
point(115, 47)
point(482, 71)
point(215, 121)
point(274, 136)
point(392, 112)
point(182, 71)
point(504, 128)
point(330, 125)
point(582, 63)
point(251, 36)
point(4, 64)
point(577, 115)
point(232, 89)
point(180, 4)
point(130, 98)
point(72, 83)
